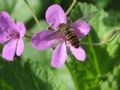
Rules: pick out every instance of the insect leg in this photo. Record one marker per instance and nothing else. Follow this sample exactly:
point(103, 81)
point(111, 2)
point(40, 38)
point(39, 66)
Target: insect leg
point(50, 28)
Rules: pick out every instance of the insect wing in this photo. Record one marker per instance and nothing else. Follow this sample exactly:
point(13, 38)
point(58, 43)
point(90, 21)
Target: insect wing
point(88, 16)
point(52, 35)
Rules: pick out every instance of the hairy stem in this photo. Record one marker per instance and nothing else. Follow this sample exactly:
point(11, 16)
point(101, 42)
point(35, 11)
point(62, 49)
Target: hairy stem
point(71, 6)
point(106, 39)
point(32, 12)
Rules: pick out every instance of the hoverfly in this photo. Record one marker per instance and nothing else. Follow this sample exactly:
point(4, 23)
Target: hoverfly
point(68, 32)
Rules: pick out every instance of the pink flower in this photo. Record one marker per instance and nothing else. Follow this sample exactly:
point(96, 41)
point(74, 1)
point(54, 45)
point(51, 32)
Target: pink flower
point(44, 40)
point(11, 36)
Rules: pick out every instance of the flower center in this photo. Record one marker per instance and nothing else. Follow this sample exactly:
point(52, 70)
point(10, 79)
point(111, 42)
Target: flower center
point(12, 34)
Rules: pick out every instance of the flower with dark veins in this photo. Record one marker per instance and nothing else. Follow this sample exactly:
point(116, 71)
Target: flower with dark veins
point(11, 36)
point(55, 16)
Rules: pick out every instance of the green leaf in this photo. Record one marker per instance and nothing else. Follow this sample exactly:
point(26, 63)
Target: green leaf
point(83, 77)
point(4, 85)
point(28, 75)
point(100, 59)
point(112, 80)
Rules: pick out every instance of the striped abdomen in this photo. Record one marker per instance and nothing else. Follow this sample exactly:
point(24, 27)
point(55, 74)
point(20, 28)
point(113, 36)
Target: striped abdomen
point(71, 37)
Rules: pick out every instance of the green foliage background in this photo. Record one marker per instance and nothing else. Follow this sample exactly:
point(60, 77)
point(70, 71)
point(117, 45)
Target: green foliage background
point(32, 71)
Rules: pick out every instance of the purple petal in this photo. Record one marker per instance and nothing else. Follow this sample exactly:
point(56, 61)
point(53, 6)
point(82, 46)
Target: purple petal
point(79, 53)
point(55, 15)
point(21, 28)
point(20, 47)
point(81, 27)
point(3, 36)
point(59, 56)
point(9, 50)
point(6, 26)
point(44, 40)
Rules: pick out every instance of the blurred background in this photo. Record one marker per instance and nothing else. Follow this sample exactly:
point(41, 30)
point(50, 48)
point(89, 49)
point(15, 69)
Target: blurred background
point(32, 71)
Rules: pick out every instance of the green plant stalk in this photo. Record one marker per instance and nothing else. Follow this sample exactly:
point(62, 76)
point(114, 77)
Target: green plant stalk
point(32, 12)
point(106, 39)
point(71, 7)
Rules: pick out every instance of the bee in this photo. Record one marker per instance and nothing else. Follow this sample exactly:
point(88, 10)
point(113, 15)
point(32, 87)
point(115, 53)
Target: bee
point(69, 33)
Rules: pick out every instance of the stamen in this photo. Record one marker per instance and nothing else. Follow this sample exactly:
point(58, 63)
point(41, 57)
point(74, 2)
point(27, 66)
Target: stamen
point(6, 30)
point(14, 34)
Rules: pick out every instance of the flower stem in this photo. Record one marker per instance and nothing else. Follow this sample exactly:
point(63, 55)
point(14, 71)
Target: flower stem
point(71, 6)
point(106, 39)
point(32, 12)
